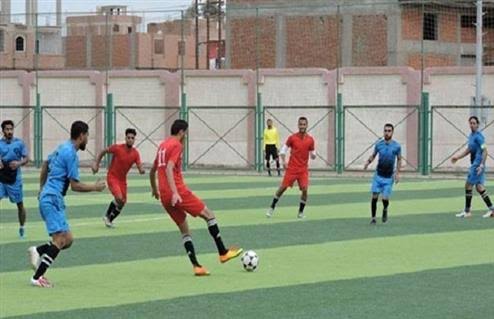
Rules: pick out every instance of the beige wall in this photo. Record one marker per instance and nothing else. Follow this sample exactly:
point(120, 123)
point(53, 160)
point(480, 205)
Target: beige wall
point(233, 93)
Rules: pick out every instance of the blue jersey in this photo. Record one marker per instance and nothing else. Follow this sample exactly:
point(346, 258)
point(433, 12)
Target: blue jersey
point(12, 150)
point(476, 145)
point(387, 157)
point(63, 166)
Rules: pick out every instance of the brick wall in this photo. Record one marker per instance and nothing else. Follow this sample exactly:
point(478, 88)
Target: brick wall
point(430, 60)
point(75, 51)
point(369, 40)
point(243, 46)
point(312, 41)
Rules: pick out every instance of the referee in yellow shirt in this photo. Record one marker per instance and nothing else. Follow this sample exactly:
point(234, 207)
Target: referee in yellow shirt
point(271, 146)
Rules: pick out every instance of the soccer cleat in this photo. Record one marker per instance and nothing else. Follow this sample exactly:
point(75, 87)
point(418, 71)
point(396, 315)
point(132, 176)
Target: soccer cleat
point(22, 232)
point(385, 216)
point(41, 282)
point(373, 221)
point(300, 215)
point(107, 222)
point(464, 214)
point(488, 214)
point(201, 271)
point(34, 258)
point(230, 254)
point(270, 213)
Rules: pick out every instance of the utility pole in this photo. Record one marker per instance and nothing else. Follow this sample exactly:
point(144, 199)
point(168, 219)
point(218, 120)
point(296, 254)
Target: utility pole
point(197, 31)
point(479, 51)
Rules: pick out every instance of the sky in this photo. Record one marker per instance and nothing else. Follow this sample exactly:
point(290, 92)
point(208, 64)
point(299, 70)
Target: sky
point(171, 9)
point(18, 6)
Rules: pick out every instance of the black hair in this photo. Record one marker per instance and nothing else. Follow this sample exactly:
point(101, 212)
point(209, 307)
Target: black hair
point(389, 125)
point(78, 128)
point(473, 117)
point(179, 125)
point(130, 131)
point(7, 122)
point(303, 118)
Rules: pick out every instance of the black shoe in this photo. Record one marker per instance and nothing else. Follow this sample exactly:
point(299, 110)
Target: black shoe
point(373, 221)
point(385, 216)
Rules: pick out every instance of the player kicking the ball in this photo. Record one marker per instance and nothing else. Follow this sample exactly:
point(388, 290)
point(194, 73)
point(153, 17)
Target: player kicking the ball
point(124, 156)
point(178, 200)
point(301, 146)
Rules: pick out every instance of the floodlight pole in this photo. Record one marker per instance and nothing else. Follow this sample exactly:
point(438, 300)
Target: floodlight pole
point(479, 54)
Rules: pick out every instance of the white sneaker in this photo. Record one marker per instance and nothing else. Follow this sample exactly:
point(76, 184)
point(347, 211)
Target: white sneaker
point(464, 214)
point(489, 214)
point(107, 222)
point(42, 282)
point(34, 258)
point(300, 215)
point(270, 213)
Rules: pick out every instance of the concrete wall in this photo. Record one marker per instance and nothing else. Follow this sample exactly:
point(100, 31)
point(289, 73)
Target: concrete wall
point(222, 119)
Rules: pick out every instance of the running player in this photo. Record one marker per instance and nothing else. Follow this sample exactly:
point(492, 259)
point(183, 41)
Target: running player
point(271, 145)
point(389, 151)
point(124, 156)
point(178, 200)
point(13, 155)
point(476, 175)
point(60, 171)
point(302, 146)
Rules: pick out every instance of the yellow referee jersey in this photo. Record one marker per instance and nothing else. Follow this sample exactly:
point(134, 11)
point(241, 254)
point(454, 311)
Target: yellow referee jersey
point(271, 137)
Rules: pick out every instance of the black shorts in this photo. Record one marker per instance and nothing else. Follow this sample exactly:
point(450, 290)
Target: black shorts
point(271, 151)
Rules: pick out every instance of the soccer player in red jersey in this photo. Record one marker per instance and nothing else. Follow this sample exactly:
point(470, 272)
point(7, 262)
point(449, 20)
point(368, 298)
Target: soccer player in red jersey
point(301, 146)
point(124, 156)
point(178, 200)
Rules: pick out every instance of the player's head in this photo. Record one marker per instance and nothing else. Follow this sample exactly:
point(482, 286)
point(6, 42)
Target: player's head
point(130, 137)
point(302, 124)
point(269, 123)
point(79, 133)
point(388, 131)
point(179, 129)
point(8, 129)
point(474, 123)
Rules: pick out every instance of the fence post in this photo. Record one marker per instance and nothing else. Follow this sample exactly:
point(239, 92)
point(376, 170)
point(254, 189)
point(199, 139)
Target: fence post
point(259, 133)
point(340, 134)
point(38, 132)
point(184, 115)
point(425, 134)
point(109, 125)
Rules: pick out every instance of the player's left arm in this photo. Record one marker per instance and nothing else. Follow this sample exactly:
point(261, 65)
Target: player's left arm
point(313, 154)
point(483, 147)
point(139, 164)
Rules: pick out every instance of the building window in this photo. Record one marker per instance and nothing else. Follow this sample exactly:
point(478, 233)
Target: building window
point(488, 22)
point(19, 43)
point(129, 30)
point(430, 26)
point(2, 40)
point(159, 48)
point(116, 28)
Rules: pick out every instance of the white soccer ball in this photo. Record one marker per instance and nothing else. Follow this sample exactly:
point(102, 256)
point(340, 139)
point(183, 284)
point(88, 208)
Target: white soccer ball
point(250, 260)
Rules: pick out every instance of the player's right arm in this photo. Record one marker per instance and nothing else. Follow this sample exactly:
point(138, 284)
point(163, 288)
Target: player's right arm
point(371, 158)
point(97, 161)
point(43, 175)
point(284, 150)
point(455, 159)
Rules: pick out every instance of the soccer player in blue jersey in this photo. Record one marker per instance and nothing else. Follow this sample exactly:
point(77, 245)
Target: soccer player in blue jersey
point(389, 152)
point(60, 171)
point(13, 155)
point(476, 175)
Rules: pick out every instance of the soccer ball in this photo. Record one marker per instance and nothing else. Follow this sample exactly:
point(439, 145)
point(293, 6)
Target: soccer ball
point(250, 260)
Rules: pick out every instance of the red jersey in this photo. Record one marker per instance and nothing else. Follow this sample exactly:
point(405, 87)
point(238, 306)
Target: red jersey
point(301, 146)
point(123, 159)
point(170, 150)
